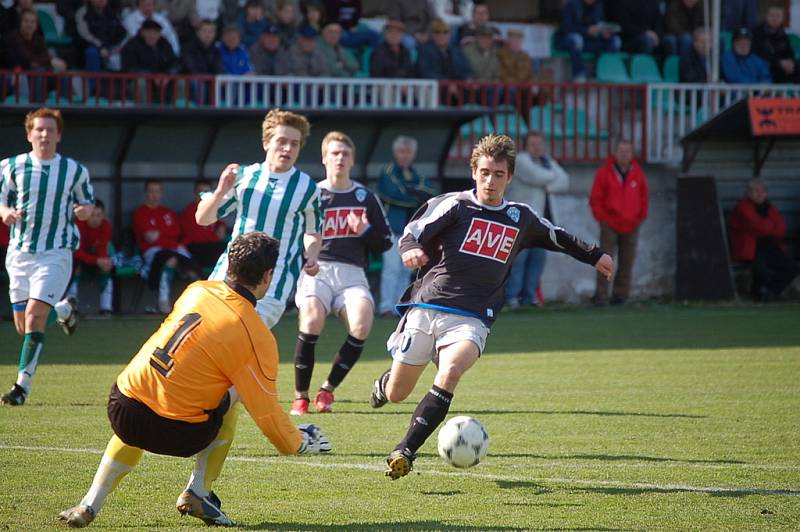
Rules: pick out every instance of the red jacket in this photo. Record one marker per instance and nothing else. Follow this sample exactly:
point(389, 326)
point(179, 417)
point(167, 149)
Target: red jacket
point(192, 232)
point(94, 241)
point(622, 205)
point(161, 219)
point(747, 226)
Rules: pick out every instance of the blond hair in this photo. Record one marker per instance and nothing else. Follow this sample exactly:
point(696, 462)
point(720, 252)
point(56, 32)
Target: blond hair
point(497, 148)
point(340, 137)
point(44, 112)
point(279, 117)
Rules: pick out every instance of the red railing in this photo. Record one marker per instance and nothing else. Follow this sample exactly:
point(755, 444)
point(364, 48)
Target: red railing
point(105, 89)
point(579, 121)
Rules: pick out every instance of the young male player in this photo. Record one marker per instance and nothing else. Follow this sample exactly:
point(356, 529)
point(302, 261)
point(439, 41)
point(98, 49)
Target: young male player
point(354, 225)
point(178, 394)
point(463, 244)
point(41, 193)
point(276, 198)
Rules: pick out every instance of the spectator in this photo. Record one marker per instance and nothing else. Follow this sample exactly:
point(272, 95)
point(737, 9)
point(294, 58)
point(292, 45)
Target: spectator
point(340, 61)
point(287, 20)
point(516, 66)
point(439, 59)
point(182, 15)
point(402, 190)
point(68, 10)
point(200, 55)
point(696, 63)
point(771, 43)
point(683, 17)
point(264, 52)
point(205, 243)
point(157, 230)
point(92, 258)
point(234, 56)
point(738, 14)
point(640, 22)
point(252, 22)
point(619, 202)
point(347, 13)
point(391, 59)
point(481, 56)
point(756, 231)
point(100, 28)
point(741, 65)
point(10, 16)
point(535, 176)
point(480, 17)
point(149, 51)
point(146, 10)
point(303, 58)
point(583, 29)
point(313, 15)
point(27, 49)
point(416, 15)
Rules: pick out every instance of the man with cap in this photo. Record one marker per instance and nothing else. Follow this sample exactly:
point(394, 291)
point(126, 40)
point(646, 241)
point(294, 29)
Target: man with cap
point(439, 59)
point(741, 65)
point(149, 51)
point(482, 57)
point(146, 10)
point(515, 64)
point(391, 59)
point(302, 58)
point(234, 56)
point(265, 50)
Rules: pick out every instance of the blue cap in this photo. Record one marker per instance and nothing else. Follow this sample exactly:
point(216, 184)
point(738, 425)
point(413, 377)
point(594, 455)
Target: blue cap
point(307, 31)
point(271, 28)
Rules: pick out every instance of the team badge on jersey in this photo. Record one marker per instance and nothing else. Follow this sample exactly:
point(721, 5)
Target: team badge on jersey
point(489, 239)
point(361, 195)
point(336, 225)
point(513, 213)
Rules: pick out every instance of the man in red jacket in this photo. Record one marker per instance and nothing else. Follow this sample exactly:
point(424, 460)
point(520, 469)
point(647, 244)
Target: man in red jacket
point(756, 231)
point(619, 201)
point(92, 258)
point(157, 233)
point(204, 242)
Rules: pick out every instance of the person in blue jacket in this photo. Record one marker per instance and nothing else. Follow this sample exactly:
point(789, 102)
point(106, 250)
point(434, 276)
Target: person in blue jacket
point(234, 56)
point(741, 65)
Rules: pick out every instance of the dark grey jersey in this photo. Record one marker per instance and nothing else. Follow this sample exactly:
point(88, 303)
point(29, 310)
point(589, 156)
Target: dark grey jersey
point(339, 242)
point(471, 247)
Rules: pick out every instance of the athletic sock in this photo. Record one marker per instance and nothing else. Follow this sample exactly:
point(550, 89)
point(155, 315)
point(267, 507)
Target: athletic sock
point(117, 462)
point(429, 414)
point(29, 358)
point(208, 462)
point(344, 361)
point(304, 361)
point(165, 284)
point(106, 292)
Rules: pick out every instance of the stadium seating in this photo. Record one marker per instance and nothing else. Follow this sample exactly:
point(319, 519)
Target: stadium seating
point(511, 124)
point(794, 39)
point(51, 35)
point(557, 52)
point(672, 69)
point(644, 69)
point(727, 39)
point(611, 69)
point(578, 125)
point(543, 119)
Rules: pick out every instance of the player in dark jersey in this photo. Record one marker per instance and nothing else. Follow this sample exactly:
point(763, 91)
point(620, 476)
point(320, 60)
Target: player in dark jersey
point(463, 244)
point(354, 225)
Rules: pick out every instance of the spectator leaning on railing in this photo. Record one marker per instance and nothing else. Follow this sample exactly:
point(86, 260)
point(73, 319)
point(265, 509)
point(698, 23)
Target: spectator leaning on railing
point(741, 65)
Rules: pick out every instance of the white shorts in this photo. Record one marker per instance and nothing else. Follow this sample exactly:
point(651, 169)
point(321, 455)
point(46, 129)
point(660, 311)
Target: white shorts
point(335, 284)
point(43, 276)
point(423, 331)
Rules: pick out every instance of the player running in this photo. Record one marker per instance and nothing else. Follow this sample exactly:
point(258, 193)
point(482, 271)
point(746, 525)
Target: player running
point(276, 198)
point(354, 225)
point(463, 244)
point(41, 192)
point(176, 396)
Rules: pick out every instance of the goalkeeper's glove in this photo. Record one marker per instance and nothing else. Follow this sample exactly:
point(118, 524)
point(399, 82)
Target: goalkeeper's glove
point(314, 441)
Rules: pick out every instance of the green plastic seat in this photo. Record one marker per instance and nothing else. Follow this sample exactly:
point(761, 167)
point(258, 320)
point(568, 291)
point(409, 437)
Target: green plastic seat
point(544, 120)
point(672, 67)
point(510, 124)
point(644, 69)
point(366, 56)
point(611, 69)
point(51, 35)
point(794, 40)
point(558, 52)
point(727, 39)
point(578, 125)
point(478, 127)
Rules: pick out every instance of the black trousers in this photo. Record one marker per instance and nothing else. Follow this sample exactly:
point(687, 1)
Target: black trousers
point(773, 270)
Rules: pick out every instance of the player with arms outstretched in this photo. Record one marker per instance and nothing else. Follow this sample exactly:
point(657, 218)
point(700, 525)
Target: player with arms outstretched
point(354, 225)
point(463, 244)
point(178, 395)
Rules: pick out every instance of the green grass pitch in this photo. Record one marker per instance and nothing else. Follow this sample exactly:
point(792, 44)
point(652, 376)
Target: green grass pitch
point(637, 418)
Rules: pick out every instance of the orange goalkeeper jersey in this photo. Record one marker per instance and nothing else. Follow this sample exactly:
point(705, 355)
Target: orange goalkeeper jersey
point(212, 339)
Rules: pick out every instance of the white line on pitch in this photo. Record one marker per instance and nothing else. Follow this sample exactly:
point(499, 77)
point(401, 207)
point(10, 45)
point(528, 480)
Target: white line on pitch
point(466, 474)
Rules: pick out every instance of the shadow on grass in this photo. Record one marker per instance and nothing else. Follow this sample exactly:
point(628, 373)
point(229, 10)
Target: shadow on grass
point(530, 487)
point(626, 457)
point(412, 526)
point(712, 492)
point(474, 412)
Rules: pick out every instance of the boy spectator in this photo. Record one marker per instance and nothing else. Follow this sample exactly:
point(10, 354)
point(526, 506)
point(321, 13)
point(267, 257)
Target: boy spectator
point(640, 22)
point(741, 65)
point(683, 17)
point(205, 243)
point(264, 52)
point(234, 56)
point(199, 55)
point(91, 257)
point(287, 20)
point(149, 51)
point(439, 59)
point(341, 63)
point(347, 13)
point(146, 10)
point(302, 58)
point(771, 43)
point(252, 22)
point(417, 17)
point(582, 31)
point(481, 55)
point(100, 27)
point(480, 17)
point(391, 59)
point(696, 63)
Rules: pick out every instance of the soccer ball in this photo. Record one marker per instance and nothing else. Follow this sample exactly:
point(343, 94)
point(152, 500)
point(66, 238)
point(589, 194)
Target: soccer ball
point(463, 441)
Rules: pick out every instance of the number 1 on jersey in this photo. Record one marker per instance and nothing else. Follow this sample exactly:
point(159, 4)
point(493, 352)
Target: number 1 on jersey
point(161, 359)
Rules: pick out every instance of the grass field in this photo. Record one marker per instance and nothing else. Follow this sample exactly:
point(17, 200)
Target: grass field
point(637, 418)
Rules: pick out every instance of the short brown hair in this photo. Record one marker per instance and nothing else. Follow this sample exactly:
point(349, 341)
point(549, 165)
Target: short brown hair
point(279, 117)
point(338, 136)
point(44, 112)
point(495, 147)
point(251, 256)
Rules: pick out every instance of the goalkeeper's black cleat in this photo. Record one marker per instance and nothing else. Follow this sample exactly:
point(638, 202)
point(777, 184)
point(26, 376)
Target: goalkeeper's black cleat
point(399, 463)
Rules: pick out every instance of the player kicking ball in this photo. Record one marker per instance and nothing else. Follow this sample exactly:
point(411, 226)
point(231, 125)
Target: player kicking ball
point(463, 244)
point(178, 395)
point(354, 225)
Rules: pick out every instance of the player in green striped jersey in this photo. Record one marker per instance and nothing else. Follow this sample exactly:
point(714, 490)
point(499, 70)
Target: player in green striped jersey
point(41, 193)
point(276, 198)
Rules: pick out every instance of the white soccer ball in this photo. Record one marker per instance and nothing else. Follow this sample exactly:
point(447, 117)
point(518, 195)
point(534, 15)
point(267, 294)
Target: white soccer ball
point(463, 441)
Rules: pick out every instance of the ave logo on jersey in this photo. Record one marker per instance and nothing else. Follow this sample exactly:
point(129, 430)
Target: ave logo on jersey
point(489, 239)
point(336, 225)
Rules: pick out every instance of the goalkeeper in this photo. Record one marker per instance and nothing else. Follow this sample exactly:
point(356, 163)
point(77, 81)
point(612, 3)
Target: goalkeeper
point(178, 395)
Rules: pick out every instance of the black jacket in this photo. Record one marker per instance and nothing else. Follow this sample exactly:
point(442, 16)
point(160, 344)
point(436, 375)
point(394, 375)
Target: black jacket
point(197, 59)
point(693, 68)
point(384, 63)
point(635, 16)
point(138, 57)
point(104, 30)
point(773, 47)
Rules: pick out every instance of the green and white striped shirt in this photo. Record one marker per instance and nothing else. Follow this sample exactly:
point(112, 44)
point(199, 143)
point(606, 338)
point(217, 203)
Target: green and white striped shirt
point(45, 191)
point(285, 206)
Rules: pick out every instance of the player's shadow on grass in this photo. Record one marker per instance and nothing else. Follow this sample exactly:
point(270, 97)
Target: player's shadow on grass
point(473, 412)
point(638, 458)
point(531, 488)
point(712, 492)
point(411, 526)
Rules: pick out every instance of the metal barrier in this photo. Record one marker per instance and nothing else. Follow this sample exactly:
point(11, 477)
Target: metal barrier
point(676, 109)
point(579, 121)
